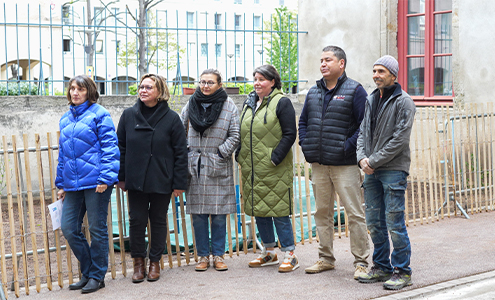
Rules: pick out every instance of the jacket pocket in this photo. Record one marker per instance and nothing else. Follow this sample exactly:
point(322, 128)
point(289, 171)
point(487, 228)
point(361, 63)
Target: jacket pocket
point(215, 166)
point(192, 163)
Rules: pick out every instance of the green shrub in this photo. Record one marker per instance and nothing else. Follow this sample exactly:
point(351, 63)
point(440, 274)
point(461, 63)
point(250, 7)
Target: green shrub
point(133, 89)
point(244, 88)
point(15, 88)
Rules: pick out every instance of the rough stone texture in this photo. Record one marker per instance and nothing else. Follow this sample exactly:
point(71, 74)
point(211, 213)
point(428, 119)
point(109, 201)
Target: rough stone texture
point(40, 114)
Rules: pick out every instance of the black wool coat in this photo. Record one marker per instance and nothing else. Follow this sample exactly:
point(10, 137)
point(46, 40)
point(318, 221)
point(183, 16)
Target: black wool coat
point(153, 153)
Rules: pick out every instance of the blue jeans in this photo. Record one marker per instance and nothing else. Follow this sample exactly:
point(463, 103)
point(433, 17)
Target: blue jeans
point(94, 258)
point(385, 204)
point(284, 232)
point(202, 235)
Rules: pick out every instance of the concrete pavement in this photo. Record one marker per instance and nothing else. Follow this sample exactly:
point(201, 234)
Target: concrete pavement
point(443, 251)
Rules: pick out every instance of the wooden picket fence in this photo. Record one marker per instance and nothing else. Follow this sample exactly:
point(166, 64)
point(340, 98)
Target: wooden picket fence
point(452, 153)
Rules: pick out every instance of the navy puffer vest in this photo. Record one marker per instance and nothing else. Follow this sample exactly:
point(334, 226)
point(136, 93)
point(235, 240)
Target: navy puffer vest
point(326, 133)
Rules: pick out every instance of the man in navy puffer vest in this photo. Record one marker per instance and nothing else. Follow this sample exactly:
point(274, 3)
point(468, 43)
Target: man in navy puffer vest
point(328, 130)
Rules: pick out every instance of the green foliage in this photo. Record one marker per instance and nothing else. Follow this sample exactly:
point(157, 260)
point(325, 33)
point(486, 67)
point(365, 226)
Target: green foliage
point(244, 88)
point(161, 47)
point(15, 88)
point(133, 89)
point(281, 49)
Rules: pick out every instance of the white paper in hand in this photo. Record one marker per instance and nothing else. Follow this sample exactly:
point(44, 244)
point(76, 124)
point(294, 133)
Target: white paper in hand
point(56, 213)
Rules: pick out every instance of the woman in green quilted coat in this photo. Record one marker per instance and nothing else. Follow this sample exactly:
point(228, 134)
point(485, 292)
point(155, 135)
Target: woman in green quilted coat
point(268, 131)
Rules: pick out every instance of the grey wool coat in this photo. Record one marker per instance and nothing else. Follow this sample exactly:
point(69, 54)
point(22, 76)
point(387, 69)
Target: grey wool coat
point(211, 187)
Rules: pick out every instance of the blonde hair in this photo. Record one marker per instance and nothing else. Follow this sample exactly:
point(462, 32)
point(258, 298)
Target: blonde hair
point(160, 84)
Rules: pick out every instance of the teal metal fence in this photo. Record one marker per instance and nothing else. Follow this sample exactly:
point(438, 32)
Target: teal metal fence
point(45, 46)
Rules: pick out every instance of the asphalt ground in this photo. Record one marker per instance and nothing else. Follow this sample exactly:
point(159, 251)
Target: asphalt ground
point(445, 255)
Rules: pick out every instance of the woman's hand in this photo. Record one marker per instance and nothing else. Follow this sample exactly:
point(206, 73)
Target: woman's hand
point(177, 193)
point(61, 195)
point(100, 188)
point(121, 185)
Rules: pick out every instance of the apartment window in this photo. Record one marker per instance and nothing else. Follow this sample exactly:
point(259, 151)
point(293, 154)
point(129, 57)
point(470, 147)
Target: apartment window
point(256, 2)
point(116, 14)
point(281, 2)
point(237, 22)
point(204, 50)
point(257, 22)
point(99, 46)
point(66, 45)
point(237, 1)
point(190, 20)
point(190, 49)
point(237, 50)
point(66, 15)
point(425, 50)
point(99, 16)
point(218, 50)
point(218, 21)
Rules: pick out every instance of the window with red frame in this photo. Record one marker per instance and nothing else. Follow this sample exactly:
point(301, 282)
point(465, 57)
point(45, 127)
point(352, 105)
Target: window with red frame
point(425, 50)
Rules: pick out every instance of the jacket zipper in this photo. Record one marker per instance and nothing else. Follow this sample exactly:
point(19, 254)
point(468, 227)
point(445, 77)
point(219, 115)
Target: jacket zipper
point(252, 161)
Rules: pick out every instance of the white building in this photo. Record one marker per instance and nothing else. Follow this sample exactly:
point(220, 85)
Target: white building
point(45, 40)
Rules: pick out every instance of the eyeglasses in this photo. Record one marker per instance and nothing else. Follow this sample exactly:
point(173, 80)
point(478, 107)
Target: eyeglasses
point(208, 83)
point(146, 87)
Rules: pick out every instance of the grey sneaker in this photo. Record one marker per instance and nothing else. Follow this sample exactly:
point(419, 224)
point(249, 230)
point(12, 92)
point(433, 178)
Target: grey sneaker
point(398, 281)
point(360, 271)
point(374, 275)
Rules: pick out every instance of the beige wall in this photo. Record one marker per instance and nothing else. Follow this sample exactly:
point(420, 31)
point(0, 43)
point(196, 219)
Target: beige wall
point(365, 29)
point(473, 48)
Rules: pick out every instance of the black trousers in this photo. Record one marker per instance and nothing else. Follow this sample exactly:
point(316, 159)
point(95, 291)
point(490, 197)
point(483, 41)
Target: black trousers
point(141, 207)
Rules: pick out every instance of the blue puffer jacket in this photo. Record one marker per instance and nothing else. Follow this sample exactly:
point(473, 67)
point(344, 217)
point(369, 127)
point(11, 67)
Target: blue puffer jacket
point(88, 149)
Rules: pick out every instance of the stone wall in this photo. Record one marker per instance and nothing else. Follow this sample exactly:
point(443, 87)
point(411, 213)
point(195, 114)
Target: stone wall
point(40, 114)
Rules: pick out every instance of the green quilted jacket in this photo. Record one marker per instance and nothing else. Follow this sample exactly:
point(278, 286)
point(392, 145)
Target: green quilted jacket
point(267, 189)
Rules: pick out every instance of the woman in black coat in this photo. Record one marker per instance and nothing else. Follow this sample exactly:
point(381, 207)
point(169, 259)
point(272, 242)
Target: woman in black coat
point(153, 165)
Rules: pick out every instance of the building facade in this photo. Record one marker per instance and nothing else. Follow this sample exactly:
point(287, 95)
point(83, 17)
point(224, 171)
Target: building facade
point(51, 41)
point(442, 46)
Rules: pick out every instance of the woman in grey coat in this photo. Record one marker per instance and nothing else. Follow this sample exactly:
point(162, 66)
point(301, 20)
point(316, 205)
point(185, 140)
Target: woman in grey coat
point(211, 120)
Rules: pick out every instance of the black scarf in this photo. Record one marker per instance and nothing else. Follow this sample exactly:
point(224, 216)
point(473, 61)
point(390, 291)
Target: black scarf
point(199, 118)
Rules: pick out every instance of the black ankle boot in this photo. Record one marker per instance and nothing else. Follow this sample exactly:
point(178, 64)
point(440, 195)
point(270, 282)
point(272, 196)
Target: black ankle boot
point(79, 285)
point(93, 285)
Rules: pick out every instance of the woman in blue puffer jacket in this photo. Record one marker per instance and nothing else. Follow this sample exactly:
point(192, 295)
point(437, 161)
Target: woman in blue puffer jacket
point(88, 165)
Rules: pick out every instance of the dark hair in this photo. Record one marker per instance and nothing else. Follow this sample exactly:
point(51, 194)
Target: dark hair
point(270, 73)
point(86, 82)
point(214, 72)
point(338, 52)
point(160, 84)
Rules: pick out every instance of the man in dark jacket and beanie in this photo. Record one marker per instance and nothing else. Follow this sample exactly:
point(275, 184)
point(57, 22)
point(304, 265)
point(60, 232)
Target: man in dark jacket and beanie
point(384, 156)
point(328, 130)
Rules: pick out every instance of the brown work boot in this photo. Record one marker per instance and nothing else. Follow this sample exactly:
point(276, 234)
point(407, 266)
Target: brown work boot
point(203, 263)
point(139, 270)
point(154, 273)
point(219, 264)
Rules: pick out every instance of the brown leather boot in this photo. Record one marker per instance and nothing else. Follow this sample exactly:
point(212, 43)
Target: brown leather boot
point(139, 270)
point(154, 273)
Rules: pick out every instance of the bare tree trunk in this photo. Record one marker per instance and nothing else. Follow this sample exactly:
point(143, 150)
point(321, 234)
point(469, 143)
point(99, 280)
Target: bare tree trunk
point(143, 66)
point(89, 45)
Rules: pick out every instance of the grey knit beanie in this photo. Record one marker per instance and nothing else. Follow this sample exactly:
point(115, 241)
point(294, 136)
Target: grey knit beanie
point(390, 63)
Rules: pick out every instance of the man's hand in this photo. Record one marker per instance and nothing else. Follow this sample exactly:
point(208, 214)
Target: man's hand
point(365, 166)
